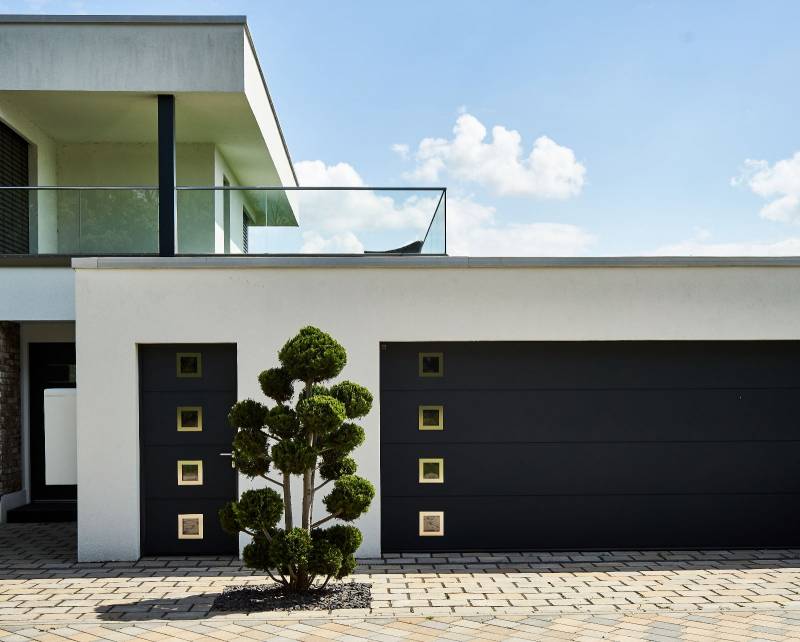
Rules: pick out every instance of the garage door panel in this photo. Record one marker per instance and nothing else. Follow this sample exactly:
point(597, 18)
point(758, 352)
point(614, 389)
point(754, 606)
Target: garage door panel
point(594, 365)
point(595, 523)
point(593, 445)
point(606, 415)
point(161, 428)
point(163, 537)
point(594, 469)
point(214, 481)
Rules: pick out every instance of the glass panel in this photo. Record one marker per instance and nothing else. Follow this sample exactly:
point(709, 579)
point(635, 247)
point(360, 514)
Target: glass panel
point(431, 471)
point(190, 473)
point(190, 419)
point(431, 523)
point(189, 364)
point(431, 364)
point(431, 418)
point(313, 220)
point(190, 526)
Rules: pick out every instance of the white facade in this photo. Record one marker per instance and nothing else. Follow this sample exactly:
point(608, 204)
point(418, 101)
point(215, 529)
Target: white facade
point(259, 303)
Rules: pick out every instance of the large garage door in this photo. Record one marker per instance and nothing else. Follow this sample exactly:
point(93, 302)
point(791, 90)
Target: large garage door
point(576, 445)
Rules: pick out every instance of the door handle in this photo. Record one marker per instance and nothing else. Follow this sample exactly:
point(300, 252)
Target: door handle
point(228, 455)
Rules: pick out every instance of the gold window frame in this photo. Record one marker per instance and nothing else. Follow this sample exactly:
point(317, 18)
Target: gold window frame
point(184, 517)
point(440, 372)
point(189, 375)
point(190, 462)
point(439, 426)
point(429, 513)
point(439, 479)
point(179, 418)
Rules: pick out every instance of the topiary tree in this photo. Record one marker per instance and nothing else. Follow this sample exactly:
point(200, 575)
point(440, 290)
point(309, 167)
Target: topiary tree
point(312, 438)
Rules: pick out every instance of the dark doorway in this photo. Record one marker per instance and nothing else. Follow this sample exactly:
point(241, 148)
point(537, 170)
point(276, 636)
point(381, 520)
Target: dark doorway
point(186, 392)
point(14, 234)
point(51, 365)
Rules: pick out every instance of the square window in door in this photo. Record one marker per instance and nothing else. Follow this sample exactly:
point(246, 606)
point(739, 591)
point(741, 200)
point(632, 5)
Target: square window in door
point(431, 471)
point(189, 365)
point(190, 526)
point(431, 364)
point(431, 418)
point(431, 523)
point(190, 472)
point(190, 418)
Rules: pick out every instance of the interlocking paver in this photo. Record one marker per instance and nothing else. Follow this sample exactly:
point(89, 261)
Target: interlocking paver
point(668, 595)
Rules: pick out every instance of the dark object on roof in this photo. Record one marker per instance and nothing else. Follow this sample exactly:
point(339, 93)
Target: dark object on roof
point(411, 248)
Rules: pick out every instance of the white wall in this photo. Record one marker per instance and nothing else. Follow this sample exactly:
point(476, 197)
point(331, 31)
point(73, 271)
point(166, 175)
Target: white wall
point(259, 308)
point(154, 58)
point(37, 294)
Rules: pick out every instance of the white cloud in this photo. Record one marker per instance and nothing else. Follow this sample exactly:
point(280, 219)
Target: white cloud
point(344, 243)
point(401, 149)
point(550, 170)
point(473, 230)
point(338, 221)
point(779, 183)
point(701, 245)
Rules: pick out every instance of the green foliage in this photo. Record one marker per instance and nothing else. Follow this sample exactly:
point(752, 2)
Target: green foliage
point(227, 519)
point(293, 440)
point(257, 554)
point(250, 453)
point(357, 399)
point(333, 466)
point(312, 356)
point(259, 510)
point(293, 457)
point(320, 414)
point(276, 384)
point(325, 558)
point(345, 439)
point(291, 548)
point(283, 423)
point(350, 497)
point(345, 537)
point(348, 566)
point(248, 414)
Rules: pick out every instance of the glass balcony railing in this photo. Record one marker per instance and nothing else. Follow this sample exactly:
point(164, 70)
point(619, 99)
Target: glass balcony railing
point(224, 220)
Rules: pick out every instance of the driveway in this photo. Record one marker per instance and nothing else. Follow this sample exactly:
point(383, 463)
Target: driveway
point(667, 595)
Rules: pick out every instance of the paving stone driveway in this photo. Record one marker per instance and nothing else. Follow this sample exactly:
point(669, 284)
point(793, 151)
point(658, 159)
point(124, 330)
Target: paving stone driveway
point(731, 595)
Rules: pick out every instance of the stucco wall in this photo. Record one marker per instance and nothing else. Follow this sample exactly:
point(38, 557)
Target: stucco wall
point(122, 57)
point(259, 308)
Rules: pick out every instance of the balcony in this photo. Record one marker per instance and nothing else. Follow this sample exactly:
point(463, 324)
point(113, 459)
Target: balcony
point(109, 221)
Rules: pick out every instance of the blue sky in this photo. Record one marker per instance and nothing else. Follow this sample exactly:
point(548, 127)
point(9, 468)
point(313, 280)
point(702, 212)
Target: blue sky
point(625, 127)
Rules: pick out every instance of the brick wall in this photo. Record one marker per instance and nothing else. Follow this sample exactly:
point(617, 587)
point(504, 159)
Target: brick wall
point(10, 423)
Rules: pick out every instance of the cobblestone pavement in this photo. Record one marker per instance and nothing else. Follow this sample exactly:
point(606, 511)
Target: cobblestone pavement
point(730, 595)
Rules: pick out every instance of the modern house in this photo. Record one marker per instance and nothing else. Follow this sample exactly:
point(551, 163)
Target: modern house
point(148, 212)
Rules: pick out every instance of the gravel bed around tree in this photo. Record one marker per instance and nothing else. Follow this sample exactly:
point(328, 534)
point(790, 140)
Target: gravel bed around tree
point(272, 597)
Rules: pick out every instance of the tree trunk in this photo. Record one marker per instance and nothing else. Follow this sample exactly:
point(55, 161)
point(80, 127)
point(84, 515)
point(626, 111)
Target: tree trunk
point(287, 501)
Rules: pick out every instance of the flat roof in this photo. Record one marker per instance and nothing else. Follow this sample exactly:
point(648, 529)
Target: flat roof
point(122, 19)
point(428, 262)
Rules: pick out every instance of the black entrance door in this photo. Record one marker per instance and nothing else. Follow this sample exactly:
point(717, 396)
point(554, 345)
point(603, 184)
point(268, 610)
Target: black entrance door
point(590, 445)
point(186, 392)
point(51, 365)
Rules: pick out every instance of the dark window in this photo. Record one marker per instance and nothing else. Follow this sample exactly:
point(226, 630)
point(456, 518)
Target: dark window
point(13, 203)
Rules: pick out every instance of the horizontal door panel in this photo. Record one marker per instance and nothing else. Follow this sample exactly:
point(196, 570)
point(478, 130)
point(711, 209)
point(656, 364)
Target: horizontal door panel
point(218, 478)
point(159, 417)
point(490, 365)
point(594, 415)
point(161, 528)
point(595, 523)
point(159, 369)
point(594, 469)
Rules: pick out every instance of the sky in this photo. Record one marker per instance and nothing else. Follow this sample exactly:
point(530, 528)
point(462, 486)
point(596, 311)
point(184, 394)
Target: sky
point(623, 127)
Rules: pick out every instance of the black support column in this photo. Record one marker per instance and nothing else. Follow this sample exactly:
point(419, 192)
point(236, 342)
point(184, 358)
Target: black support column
point(167, 210)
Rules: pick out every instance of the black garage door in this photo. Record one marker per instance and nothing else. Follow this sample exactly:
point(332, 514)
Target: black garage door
point(186, 393)
point(576, 445)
